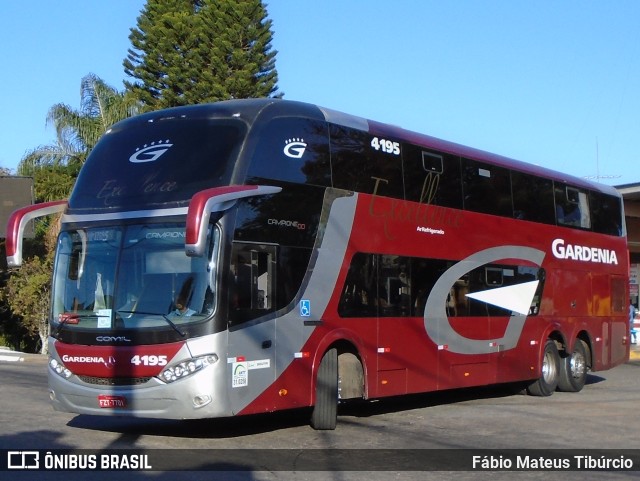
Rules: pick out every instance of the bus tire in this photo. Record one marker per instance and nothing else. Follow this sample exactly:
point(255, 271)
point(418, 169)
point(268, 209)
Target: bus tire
point(325, 410)
point(573, 369)
point(547, 383)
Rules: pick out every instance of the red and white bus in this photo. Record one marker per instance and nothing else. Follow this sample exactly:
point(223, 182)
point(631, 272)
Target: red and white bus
point(256, 255)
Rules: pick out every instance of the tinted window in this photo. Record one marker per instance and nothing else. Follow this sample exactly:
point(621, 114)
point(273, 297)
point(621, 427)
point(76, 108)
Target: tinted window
point(532, 198)
point(489, 277)
point(292, 267)
point(293, 150)
point(572, 207)
point(486, 188)
point(139, 165)
point(253, 281)
point(264, 279)
point(289, 217)
point(606, 214)
point(360, 166)
point(432, 177)
point(395, 286)
point(360, 296)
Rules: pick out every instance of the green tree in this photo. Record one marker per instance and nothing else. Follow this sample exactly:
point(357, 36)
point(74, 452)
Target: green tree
point(195, 51)
point(55, 167)
point(27, 292)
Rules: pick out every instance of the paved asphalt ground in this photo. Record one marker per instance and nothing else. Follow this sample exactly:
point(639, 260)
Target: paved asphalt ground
point(451, 421)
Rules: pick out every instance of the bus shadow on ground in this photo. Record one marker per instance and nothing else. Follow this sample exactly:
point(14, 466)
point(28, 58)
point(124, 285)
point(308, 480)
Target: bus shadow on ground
point(218, 428)
point(432, 399)
point(132, 428)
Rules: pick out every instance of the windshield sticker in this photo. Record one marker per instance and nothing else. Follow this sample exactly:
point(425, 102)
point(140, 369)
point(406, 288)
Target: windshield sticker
point(104, 318)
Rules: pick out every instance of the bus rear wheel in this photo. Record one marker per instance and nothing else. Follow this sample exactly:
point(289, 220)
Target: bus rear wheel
point(547, 383)
point(573, 370)
point(325, 410)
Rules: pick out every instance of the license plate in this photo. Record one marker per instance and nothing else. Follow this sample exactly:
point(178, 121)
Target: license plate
point(110, 402)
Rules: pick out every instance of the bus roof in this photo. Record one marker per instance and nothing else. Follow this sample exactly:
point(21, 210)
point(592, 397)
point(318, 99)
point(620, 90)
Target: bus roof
point(252, 110)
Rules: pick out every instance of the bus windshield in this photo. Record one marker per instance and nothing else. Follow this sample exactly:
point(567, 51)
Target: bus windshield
point(156, 164)
point(133, 277)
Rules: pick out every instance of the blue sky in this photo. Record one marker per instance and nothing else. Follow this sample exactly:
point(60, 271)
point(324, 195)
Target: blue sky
point(553, 83)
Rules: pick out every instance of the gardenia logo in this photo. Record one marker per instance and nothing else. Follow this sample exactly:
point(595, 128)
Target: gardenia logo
point(295, 148)
point(150, 152)
point(561, 250)
point(85, 359)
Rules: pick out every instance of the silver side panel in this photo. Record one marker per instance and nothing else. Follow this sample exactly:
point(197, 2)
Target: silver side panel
point(292, 333)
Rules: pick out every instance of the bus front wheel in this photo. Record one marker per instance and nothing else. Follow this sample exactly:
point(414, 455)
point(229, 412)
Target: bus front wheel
point(325, 410)
point(547, 383)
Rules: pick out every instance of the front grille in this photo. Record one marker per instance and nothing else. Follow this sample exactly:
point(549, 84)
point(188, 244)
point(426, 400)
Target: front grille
point(114, 381)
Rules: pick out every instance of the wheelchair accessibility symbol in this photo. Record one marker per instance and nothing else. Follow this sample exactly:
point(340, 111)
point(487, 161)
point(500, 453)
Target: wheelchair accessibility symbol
point(305, 308)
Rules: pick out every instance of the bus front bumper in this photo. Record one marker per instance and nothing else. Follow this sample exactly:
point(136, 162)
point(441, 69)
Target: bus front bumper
point(194, 397)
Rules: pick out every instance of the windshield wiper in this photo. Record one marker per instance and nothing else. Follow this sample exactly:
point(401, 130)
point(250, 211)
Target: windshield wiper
point(71, 318)
point(164, 316)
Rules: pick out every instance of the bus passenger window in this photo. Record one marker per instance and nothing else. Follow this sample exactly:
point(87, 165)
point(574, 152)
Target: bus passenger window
point(485, 278)
point(606, 213)
point(394, 291)
point(432, 177)
point(377, 285)
point(572, 207)
point(292, 149)
point(532, 198)
point(487, 188)
point(359, 290)
point(357, 165)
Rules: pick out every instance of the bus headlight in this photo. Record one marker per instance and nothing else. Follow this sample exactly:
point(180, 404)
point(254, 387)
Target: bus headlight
point(186, 368)
point(59, 368)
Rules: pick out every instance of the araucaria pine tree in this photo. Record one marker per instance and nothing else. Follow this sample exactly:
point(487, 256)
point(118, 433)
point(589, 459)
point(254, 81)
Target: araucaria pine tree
point(194, 51)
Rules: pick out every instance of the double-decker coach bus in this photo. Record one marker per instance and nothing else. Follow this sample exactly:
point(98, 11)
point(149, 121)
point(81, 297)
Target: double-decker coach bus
point(256, 255)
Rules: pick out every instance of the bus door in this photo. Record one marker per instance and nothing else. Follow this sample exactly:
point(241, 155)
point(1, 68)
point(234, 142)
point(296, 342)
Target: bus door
point(252, 330)
point(372, 301)
point(391, 294)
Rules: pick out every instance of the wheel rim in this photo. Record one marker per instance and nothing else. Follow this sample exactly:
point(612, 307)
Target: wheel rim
point(578, 365)
point(549, 368)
